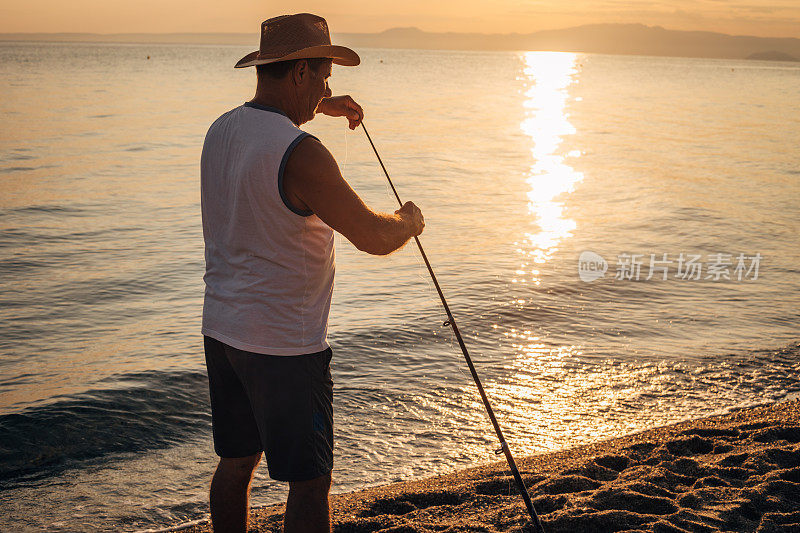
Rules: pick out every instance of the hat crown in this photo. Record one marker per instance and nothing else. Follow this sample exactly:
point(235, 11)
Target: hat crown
point(301, 36)
point(285, 34)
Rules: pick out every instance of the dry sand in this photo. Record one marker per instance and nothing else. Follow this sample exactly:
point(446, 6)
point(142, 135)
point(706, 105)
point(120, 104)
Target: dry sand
point(737, 472)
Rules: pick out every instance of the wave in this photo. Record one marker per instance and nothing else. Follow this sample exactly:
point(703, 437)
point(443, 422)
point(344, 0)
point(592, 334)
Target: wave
point(143, 411)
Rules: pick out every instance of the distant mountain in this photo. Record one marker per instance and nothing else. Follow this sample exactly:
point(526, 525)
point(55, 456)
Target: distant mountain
point(634, 39)
point(631, 39)
point(772, 55)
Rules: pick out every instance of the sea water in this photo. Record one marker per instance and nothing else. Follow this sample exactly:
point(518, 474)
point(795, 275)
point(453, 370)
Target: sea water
point(616, 235)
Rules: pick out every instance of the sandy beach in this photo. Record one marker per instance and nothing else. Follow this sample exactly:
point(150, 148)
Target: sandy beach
point(735, 472)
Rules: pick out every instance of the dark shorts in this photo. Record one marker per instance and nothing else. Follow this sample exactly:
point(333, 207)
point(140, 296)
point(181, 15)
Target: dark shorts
point(281, 405)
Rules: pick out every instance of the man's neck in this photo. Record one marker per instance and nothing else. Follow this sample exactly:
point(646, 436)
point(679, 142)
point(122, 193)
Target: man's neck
point(276, 101)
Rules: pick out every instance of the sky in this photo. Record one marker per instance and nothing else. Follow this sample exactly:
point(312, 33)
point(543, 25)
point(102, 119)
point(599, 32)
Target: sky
point(773, 18)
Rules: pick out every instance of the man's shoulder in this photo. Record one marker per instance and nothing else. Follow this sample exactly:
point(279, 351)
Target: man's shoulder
point(310, 153)
point(223, 118)
point(255, 123)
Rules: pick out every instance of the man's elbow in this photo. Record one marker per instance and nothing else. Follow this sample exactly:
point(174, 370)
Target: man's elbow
point(375, 246)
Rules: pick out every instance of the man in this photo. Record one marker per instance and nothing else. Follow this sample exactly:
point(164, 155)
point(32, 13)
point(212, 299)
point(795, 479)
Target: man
point(272, 196)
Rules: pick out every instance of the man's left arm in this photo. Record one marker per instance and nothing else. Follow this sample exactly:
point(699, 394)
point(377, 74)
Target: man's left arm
point(342, 106)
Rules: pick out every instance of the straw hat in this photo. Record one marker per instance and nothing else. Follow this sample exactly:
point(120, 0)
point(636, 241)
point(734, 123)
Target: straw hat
point(301, 36)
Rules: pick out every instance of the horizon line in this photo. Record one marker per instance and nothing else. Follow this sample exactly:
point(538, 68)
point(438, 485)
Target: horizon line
point(394, 28)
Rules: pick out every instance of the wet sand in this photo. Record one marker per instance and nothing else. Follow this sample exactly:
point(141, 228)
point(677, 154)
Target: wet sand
point(736, 472)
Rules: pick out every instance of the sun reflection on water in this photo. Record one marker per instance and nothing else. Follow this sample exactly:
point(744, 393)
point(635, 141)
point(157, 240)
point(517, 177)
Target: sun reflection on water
point(554, 396)
point(547, 390)
point(549, 74)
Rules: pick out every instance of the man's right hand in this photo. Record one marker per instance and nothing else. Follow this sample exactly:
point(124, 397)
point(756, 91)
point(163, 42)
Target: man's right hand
point(412, 215)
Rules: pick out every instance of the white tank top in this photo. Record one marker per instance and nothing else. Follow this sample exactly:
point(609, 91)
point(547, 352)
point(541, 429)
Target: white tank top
point(269, 267)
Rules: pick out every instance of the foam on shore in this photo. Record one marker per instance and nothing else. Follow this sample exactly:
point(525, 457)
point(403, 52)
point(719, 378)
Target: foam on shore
point(735, 472)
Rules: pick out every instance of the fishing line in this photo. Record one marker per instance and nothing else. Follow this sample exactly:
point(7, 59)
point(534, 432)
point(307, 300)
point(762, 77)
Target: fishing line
point(504, 449)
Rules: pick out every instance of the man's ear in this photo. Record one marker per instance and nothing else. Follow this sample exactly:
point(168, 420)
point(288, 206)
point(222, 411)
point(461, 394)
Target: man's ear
point(300, 71)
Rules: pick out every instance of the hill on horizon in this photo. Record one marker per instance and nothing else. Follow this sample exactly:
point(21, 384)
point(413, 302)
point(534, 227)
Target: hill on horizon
point(625, 39)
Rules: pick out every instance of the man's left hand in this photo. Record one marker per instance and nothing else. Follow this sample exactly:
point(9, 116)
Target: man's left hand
point(342, 106)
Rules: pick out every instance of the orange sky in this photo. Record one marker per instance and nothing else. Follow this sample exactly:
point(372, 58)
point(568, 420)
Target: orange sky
point(778, 18)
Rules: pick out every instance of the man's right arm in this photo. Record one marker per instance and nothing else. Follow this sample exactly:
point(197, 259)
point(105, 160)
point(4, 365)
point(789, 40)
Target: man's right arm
point(312, 181)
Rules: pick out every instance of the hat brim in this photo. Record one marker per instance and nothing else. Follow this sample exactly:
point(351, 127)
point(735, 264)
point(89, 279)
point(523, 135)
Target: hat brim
point(341, 55)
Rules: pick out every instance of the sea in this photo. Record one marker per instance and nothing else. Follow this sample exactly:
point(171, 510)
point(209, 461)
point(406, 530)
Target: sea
point(617, 237)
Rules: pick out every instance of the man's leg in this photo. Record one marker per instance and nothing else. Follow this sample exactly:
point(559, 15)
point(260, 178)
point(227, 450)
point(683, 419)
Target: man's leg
point(307, 508)
point(230, 493)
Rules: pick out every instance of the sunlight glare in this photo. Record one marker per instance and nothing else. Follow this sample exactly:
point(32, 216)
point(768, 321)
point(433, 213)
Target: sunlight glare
point(550, 74)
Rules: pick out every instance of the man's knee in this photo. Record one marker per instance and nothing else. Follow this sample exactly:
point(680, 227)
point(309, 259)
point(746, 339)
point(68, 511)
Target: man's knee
point(318, 486)
point(238, 468)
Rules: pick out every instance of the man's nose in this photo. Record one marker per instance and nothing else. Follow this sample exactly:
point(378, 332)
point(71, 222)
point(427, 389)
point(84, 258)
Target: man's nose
point(328, 92)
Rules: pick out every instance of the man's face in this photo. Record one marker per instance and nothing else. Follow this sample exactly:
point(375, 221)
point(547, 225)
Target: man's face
point(318, 87)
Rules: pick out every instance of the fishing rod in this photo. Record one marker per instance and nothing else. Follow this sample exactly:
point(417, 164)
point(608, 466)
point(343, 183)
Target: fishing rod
point(452, 323)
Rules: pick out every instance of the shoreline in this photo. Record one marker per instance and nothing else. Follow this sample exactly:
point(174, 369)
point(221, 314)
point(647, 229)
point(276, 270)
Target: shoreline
point(739, 471)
